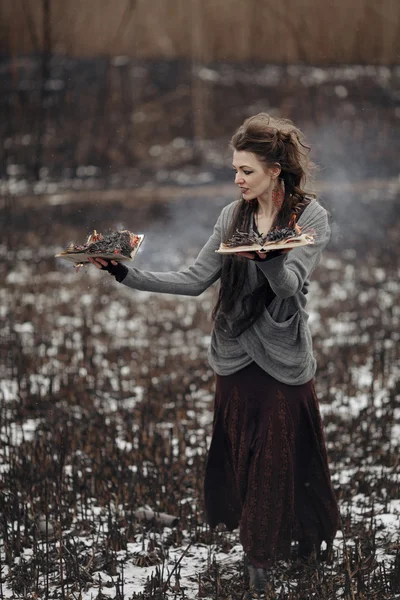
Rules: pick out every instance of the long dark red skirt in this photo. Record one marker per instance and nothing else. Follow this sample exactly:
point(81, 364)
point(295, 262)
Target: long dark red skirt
point(267, 468)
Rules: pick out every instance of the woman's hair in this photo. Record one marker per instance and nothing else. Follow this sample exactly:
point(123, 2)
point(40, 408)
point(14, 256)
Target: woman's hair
point(271, 140)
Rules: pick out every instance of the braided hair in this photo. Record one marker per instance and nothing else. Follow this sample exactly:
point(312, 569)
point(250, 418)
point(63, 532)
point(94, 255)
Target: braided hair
point(271, 140)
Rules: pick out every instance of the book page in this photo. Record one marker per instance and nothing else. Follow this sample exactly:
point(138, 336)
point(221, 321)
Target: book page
point(293, 243)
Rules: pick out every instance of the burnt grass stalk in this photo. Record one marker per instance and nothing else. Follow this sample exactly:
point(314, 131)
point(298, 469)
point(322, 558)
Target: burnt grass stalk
point(111, 410)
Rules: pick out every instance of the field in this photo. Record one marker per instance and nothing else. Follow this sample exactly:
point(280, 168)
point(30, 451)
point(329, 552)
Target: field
point(106, 407)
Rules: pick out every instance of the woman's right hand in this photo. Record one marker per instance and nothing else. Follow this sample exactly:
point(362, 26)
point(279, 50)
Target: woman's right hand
point(100, 262)
point(116, 269)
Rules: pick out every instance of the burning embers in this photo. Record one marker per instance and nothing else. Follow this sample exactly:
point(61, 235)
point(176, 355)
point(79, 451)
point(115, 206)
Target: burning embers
point(279, 237)
point(114, 245)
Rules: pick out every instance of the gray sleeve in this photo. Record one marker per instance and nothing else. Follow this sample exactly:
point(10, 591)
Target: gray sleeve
point(286, 274)
point(191, 281)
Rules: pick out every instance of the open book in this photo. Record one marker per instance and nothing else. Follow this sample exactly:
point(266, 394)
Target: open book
point(115, 245)
point(277, 239)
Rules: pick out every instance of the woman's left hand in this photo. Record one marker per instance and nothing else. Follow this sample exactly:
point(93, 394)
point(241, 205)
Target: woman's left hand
point(251, 255)
point(262, 255)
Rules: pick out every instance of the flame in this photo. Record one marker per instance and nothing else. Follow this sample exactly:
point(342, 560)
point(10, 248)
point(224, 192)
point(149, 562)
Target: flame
point(94, 237)
point(293, 224)
point(133, 240)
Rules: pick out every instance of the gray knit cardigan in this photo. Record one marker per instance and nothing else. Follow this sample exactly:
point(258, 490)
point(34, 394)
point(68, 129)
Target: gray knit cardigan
point(280, 339)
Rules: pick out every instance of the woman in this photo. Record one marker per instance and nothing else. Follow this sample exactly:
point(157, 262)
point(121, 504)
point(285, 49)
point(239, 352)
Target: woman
point(267, 468)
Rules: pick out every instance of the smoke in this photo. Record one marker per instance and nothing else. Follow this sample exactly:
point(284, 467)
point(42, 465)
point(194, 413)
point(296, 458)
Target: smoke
point(174, 238)
point(362, 201)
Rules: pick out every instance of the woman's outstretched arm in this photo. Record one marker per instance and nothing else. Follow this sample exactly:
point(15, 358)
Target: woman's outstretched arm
point(191, 281)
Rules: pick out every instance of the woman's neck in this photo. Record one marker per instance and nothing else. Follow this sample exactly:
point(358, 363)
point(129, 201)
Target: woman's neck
point(266, 209)
point(270, 203)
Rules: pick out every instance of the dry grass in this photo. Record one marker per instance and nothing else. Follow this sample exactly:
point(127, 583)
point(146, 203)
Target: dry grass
point(78, 348)
point(288, 31)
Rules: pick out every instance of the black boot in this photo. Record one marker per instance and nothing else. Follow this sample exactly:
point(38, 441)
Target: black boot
point(258, 578)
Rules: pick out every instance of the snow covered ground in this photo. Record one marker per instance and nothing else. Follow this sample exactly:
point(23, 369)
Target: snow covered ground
point(106, 407)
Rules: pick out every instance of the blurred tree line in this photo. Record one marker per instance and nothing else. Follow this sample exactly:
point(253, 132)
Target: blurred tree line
point(92, 87)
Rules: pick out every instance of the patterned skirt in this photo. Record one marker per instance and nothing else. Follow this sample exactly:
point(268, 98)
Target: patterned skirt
point(267, 469)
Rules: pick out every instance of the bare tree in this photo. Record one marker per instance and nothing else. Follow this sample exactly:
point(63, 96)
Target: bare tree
point(45, 76)
point(198, 88)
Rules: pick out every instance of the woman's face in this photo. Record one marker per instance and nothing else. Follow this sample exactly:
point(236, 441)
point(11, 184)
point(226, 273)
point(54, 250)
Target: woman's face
point(252, 176)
